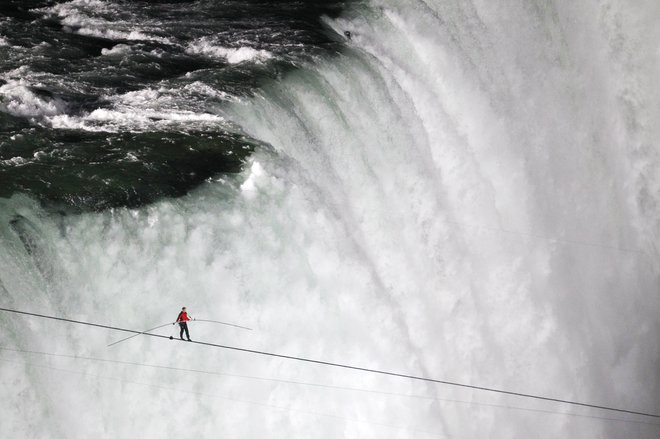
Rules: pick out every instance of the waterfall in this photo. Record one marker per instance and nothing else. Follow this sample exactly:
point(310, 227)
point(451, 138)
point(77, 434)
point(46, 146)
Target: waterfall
point(468, 192)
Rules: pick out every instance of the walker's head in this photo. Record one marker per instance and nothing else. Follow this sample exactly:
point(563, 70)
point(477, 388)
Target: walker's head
point(183, 309)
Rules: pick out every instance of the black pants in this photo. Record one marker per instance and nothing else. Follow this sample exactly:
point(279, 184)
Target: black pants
point(184, 327)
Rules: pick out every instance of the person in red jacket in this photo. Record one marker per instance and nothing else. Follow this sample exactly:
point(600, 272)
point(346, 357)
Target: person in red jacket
point(181, 319)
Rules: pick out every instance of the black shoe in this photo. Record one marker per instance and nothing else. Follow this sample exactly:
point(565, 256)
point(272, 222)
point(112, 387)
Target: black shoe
point(189, 340)
point(181, 338)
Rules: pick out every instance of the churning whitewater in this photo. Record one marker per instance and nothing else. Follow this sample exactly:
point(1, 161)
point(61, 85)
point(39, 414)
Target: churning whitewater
point(465, 191)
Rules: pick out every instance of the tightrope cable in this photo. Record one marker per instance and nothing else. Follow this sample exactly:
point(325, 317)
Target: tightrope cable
point(324, 386)
point(237, 400)
point(346, 366)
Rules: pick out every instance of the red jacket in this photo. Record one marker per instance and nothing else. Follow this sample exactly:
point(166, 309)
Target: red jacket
point(183, 317)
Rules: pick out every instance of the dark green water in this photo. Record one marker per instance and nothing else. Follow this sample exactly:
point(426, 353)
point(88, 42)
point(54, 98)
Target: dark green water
point(106, 104)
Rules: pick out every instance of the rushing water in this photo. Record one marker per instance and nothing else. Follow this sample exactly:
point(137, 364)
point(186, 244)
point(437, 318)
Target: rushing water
point(119, 103)
point(467, 191)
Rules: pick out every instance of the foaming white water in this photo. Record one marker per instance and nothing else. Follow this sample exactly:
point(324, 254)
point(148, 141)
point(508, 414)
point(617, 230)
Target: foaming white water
point(81, 17)
point(470, 193)
point(233, 55)
point(17, 99)
point(135, 120)
point(149, 109)
point(117, 50)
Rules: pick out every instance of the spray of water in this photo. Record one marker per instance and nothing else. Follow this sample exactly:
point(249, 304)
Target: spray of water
point(469, 192)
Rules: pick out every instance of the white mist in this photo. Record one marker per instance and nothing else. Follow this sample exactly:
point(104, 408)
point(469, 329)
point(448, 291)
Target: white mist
point(469, 193)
